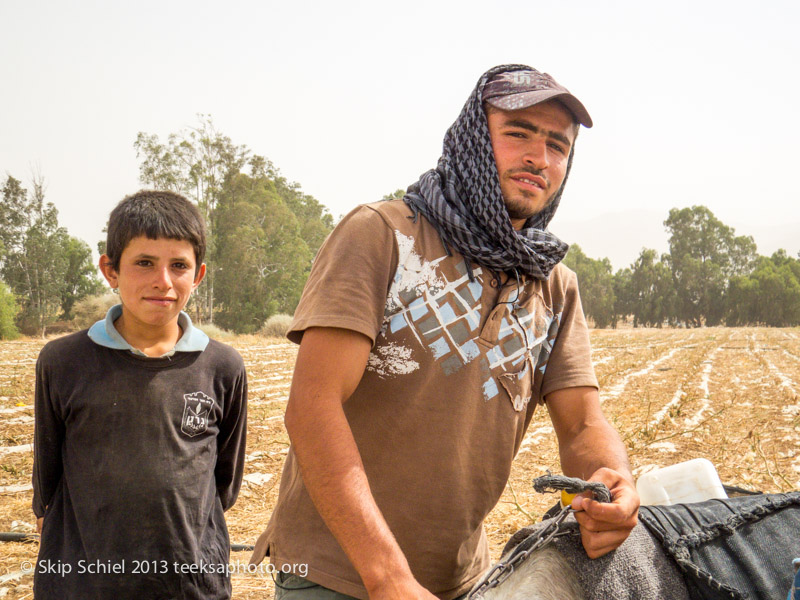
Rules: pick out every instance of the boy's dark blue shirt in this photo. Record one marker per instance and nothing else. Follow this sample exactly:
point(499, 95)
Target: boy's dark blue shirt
point(135, 460)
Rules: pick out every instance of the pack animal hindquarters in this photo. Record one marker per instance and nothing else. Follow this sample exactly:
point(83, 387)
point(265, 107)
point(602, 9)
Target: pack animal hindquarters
point(638, 570)
point(545, 575)
point(736, 548)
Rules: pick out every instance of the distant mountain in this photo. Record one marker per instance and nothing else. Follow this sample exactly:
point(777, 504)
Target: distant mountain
point(621, 236)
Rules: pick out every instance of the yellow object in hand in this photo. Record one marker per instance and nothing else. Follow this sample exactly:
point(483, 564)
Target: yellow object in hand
point(566, 499)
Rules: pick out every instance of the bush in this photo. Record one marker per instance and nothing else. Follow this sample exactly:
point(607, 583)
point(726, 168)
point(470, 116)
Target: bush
point(92, 309)
point(276, 326)
point(60, 327)
point(215, 332)
point(8, 311)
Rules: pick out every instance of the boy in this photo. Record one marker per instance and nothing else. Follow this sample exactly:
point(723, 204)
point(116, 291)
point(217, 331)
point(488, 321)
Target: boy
point(140, 426)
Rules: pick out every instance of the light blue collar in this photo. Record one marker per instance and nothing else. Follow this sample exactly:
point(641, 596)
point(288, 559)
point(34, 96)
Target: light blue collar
point(105, 334)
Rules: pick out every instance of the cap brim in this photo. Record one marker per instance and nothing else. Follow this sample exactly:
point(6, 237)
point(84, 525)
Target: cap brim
point(526, 99)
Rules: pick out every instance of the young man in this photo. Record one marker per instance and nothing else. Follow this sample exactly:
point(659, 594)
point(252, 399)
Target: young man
point(430, 329)
point(140, 426)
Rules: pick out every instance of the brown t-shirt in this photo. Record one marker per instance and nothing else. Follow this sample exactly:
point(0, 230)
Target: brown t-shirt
point(445, 400)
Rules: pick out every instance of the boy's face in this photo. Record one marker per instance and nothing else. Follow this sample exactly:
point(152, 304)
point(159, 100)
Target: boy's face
point(155, 279)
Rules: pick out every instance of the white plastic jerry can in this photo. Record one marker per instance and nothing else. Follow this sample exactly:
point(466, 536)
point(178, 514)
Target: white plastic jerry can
point(695, 480)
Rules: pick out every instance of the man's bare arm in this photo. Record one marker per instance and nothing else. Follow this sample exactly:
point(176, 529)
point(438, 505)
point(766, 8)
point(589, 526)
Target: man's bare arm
point(592, 450)
point(330, 364)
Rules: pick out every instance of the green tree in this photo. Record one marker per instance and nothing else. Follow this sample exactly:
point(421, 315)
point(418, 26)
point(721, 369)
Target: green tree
point(742, 301)
point(8, 313)
point(623, 293)
point(398, 194)
point(704, 254)
point(45, 268)
point(80, 277)
point(13, 211)
point(596, 284)
point(207, 166)
point(770, 295)
point(195, 162)
point(265, 260)
point(651, 292)
point(33, 265)
point(313, 218)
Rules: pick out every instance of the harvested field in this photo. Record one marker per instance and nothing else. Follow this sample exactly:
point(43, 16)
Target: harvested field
point(730, 395)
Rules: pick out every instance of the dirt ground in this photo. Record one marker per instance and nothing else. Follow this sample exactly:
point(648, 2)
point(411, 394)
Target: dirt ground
point(730, 395)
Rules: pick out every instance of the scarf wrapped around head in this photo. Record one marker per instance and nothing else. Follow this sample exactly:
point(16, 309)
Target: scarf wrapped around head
point(462, 199)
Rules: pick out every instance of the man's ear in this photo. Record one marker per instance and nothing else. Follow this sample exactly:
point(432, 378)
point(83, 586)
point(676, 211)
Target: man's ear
point(201, 272)
point(109, 272)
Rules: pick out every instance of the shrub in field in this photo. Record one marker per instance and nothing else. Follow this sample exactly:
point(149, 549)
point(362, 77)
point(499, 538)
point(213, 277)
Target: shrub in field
point(61, 327)
point(8, 310)
point(276, 326)
point(92, 309)
point(217, 333)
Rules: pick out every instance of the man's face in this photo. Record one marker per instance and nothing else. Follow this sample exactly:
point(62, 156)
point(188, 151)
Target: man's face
point(531, 149)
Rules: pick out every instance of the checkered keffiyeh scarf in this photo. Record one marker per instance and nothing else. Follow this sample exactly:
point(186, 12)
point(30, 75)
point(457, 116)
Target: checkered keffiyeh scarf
point(463, 201)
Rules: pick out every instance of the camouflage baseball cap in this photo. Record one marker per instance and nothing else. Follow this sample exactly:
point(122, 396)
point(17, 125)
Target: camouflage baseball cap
point(514, 90)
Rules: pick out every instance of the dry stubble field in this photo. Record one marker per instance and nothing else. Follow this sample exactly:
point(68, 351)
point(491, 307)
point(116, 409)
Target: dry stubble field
point(730, 395)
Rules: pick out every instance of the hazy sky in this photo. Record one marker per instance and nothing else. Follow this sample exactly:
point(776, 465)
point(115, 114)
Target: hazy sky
point(693, 102)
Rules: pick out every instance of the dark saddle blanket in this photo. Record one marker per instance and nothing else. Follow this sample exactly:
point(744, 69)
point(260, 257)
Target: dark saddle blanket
point(735, 548)
point(732, 548)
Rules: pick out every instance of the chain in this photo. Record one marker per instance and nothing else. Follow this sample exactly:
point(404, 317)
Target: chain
point(503, 570)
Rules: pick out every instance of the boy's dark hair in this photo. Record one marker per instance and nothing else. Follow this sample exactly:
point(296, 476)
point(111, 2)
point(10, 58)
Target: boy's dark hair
point(155, 214)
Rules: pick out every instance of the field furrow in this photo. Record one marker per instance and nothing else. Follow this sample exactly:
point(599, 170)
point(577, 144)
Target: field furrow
point(730, 395)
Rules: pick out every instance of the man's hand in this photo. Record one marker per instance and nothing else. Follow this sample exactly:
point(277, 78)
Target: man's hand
point(39, 523)
point(604, 526)
point(588, 444)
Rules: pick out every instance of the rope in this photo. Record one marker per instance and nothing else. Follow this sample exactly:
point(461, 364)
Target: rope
point(571, 485)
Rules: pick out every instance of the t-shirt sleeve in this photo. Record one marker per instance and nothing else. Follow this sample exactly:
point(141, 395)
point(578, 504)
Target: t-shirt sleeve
point(570, 361)
point(231, 442)
point(350, 277)
point(48, 438)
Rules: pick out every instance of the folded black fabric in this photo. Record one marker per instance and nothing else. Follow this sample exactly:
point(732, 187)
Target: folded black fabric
point(731, 548)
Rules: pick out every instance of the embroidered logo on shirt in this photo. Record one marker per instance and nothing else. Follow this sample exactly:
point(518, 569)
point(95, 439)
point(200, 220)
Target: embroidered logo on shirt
point(195, 413)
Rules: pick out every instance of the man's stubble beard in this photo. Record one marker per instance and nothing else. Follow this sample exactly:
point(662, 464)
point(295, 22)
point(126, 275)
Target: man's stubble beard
point(519, 209)
point(519, 212)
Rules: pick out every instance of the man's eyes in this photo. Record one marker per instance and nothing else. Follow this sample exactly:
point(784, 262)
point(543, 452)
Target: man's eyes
point(522, 135)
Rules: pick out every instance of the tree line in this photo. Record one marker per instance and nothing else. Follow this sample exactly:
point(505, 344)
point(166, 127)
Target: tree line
point(710, 276)
point(263, 232)
point(44, 271)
